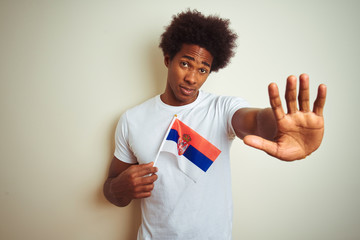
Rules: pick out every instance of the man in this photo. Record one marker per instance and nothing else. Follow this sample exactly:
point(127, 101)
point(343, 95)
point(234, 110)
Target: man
point(173, 205)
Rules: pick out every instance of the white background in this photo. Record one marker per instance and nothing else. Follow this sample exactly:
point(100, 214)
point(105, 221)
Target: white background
point(69, 69)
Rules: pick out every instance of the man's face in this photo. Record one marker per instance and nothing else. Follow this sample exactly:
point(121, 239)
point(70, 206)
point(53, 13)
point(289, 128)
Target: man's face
point(187, 72)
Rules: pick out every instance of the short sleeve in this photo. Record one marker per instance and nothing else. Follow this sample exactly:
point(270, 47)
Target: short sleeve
point(123, 151)
point(232, 105)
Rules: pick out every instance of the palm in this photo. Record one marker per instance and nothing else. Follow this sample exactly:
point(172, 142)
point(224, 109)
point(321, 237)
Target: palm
point(299, 135)
point(300, 131)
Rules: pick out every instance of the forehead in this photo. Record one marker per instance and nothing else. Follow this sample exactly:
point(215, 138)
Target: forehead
point(196, 52)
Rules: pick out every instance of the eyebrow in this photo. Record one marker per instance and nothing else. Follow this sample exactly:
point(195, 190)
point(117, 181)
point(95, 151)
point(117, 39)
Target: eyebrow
point(193, 59)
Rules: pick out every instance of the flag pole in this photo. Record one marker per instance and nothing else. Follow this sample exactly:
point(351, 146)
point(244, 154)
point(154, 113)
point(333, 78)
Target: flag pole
point(163, 141)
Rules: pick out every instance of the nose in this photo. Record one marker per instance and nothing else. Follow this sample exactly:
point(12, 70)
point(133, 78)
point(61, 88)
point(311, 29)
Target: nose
point(190, 77)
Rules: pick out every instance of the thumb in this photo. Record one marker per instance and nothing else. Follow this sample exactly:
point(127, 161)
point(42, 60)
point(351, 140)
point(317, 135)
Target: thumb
point(262, 144)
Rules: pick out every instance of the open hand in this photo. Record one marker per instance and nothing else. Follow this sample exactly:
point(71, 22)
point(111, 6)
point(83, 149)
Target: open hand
point(300, 131)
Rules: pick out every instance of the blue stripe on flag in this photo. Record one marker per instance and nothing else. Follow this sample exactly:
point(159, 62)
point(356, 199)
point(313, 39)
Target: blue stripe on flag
point(191, 153)
point(173, 135)
point(196, 157)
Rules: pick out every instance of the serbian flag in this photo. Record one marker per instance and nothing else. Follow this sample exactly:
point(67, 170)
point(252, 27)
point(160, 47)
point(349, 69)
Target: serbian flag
point(194, 153)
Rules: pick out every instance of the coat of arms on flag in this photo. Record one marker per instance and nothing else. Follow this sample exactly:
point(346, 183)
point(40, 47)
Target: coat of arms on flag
point(194, 153)
point(183, 143)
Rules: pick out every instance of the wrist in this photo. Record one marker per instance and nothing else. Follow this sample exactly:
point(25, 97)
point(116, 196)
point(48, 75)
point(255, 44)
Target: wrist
point(266, 124)
point(113, 194)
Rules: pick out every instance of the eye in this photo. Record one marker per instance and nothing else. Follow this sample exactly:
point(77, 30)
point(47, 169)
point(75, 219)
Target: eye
point(184, 64)
point(203, 70)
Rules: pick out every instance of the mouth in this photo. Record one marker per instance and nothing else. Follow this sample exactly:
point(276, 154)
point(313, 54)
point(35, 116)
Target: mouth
point(187, 91)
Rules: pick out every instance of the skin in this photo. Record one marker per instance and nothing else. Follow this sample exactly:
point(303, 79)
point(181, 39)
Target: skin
point(286, 136)
point(187, 72)
point(129, 181)
point(297, 133)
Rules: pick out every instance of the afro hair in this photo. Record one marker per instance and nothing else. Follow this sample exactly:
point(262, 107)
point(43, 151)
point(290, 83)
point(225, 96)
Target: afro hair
point(209, 32)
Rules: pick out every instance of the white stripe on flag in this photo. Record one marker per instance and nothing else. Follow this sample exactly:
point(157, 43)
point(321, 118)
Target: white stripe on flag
point(185, 165)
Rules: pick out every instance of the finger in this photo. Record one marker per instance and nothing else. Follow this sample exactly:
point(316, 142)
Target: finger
point(148, 179)
point(262, 144)
point(320, 100)
point(142, 195)
point(303, 98)
point(290, 94)
point(143, 191)
point(275, 101)
point(144, 169)
point(144, 188)
point(142, 184)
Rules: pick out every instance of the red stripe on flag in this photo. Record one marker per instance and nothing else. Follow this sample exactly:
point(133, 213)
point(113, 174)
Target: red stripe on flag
point(197, 141)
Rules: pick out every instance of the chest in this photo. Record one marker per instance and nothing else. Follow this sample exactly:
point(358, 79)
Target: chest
point(146, 137)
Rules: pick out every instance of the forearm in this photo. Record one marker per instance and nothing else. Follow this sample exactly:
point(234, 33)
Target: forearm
point(255, 121)
point(115, 198)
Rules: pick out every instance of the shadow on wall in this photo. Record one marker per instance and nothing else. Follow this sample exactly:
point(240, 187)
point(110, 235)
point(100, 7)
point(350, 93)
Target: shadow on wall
point(132, 212)
point(157, 68)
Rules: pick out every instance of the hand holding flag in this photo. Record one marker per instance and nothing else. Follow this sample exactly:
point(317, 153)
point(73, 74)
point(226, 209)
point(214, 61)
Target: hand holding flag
point(127, 182)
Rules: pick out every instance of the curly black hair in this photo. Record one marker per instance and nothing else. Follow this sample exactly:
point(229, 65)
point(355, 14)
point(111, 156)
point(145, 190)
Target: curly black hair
point(209, 32)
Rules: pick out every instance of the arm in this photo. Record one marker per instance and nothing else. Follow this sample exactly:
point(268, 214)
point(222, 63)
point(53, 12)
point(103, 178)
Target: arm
point(298, 133)
point(255, 121)
point(129, 181)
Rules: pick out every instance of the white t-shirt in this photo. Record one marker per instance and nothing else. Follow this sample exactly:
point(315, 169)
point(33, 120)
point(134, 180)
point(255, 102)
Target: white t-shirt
point(179, 208)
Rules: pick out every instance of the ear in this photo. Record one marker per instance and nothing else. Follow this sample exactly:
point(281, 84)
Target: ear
point(166, 60)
